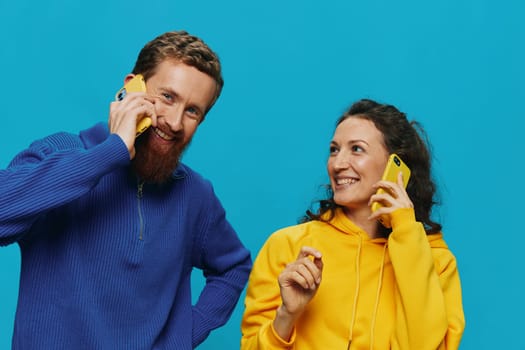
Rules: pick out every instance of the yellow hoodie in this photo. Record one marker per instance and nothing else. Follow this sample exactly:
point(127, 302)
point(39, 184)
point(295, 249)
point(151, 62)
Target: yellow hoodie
point(402, 293)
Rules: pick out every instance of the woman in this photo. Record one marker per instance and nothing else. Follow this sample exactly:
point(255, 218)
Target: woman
point(341, 280)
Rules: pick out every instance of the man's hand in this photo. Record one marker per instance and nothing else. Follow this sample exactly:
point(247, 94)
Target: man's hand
point(124, 116)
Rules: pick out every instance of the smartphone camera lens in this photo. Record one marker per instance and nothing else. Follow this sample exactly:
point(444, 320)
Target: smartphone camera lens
point(396, 160)
point(121, 94)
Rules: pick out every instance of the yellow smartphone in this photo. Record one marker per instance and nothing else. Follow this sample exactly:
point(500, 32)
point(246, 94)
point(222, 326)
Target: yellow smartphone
point(136, 84)
point(394, 165)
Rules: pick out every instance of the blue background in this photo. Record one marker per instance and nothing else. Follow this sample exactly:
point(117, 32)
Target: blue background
point(291, 68)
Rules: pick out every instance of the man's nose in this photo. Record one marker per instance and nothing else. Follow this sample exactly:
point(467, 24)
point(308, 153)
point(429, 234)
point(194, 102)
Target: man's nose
point(174, 117)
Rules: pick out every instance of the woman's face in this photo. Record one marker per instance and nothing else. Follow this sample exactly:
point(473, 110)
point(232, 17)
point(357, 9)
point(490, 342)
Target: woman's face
point(357, 160)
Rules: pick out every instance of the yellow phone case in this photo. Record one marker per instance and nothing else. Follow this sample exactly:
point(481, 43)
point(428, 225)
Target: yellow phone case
point(394, 165)
point(136, 84)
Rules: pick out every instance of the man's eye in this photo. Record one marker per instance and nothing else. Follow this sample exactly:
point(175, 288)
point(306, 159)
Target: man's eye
point(167, 97)
point(193, 112)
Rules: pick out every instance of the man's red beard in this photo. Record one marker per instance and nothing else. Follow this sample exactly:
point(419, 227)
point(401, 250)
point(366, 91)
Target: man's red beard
point(152, 165)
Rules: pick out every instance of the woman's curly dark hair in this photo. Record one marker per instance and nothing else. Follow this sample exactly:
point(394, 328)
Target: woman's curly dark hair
point(410, 142)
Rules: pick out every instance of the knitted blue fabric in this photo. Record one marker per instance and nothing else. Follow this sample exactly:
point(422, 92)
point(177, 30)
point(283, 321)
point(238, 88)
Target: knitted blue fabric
point(106, 260)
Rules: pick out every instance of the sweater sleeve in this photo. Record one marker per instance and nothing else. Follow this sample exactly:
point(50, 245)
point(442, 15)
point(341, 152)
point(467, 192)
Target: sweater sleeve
point(226, 264)
point(50, 173)
point(429, 312)
point(263, 298)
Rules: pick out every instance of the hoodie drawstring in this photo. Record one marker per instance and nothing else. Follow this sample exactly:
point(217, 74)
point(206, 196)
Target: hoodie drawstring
point(357, 288)
point(378, 294)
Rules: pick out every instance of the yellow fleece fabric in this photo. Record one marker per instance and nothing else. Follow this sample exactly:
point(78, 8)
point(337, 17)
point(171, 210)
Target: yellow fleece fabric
point(400, 293)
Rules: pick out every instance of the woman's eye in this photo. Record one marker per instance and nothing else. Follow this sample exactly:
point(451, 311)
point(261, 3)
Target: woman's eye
point(356, 148)
point(333, 149)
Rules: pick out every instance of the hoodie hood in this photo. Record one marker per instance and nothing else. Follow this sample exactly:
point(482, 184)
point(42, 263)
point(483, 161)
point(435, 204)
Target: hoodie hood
point(342, 223)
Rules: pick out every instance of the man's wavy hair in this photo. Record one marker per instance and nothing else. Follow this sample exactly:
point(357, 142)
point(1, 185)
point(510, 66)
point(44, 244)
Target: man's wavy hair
point(180, 46)
point(410, 142)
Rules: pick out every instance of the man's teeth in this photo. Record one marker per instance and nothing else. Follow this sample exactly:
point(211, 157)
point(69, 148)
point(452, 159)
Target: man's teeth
point(346, 181)
point(162, 134)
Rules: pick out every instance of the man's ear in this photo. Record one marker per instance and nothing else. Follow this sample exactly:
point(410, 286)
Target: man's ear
point(128, 77)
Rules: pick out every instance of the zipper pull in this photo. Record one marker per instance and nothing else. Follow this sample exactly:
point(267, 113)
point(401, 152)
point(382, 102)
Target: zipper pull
point(139, 190)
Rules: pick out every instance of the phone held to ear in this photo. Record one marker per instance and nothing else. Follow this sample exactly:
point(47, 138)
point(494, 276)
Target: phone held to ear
point(392, 169)
point(136, 84)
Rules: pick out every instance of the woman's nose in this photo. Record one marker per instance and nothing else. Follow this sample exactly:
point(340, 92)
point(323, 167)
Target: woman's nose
point(341, 162)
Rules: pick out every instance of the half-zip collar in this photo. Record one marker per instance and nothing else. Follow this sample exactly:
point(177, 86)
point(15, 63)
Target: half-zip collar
point(140, 188)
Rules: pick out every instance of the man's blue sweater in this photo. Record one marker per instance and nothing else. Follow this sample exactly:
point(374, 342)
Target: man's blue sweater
point(106, 260)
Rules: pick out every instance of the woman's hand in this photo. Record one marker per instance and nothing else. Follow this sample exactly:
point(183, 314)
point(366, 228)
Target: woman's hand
point(395, 197)
point(298, 282)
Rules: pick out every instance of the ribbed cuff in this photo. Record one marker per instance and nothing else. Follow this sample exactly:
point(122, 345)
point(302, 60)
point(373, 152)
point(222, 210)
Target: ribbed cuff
point(402, 216)
point(275, 340)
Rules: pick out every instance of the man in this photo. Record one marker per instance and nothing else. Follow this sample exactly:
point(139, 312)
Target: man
point(110, 226)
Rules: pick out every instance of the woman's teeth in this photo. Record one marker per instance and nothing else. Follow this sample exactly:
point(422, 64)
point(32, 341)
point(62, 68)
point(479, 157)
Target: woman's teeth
point(345, 181)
